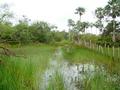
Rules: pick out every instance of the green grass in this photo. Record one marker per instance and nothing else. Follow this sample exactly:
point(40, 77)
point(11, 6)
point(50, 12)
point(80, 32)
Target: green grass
point(76, 54)
point(23, 73)
point(100, 81)
point(56, 82)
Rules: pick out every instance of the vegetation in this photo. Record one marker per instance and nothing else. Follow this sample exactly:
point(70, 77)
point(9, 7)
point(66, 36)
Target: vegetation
point(56, 83)
point(26, 50)
point(24, 72)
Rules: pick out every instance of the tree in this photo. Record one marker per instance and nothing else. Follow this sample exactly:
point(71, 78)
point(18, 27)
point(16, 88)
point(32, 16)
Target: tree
point(81, 26)
point(99, 12)
point(39, 31)
point(5, 32)
point(5, 14)
point(21, 33)
point(112, 10)
point(85, 25)
point(71, 25)
point(99, 25)
point(91, 26)
point(80, 11)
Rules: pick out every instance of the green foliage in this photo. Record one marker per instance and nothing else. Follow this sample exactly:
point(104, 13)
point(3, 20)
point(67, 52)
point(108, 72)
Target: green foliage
point(88, 37)
point(23, 33)
point(5, 32)
point(80, 11)
point(24, 72)
point(106, 37)
point(99, 81)
point(56, 82)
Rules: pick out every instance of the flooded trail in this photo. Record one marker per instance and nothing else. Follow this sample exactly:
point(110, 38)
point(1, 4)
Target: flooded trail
point(73, 74)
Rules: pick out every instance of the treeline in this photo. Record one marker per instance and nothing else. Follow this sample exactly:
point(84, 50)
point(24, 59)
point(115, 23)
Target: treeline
point(36, 32)
point(25, 32)
point(107, 22)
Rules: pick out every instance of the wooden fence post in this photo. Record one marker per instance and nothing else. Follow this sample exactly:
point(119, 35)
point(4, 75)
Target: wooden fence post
point(105, 51)
point(102, 49)
point(90, 43)
point(118, 53)
point(113, 51)
point(98, 48)
point(108, 50)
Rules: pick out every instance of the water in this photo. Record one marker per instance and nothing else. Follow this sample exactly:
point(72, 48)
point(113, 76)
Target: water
point(73, 74)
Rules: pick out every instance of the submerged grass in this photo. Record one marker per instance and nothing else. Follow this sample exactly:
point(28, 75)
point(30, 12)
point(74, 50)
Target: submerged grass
point(110, 81)
point(23, 72)
point(101, 81)
point(56, 82)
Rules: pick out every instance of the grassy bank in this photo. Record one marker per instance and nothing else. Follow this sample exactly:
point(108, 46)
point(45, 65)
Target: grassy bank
point(100, 81)
point(78, 54)
point(23, 72)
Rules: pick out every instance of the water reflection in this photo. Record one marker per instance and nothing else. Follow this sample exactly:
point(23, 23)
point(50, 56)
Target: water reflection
point(73, 74)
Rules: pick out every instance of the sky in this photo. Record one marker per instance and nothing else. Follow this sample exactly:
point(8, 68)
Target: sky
point(55, 12)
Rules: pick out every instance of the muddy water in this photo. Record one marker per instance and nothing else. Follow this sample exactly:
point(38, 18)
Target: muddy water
point(73, 74)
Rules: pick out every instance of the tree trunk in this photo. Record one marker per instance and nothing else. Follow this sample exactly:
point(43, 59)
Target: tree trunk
point(69, 35)
point(114, 27)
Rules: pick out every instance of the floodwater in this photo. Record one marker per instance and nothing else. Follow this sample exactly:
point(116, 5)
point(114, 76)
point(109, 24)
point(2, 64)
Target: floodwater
point(73, 74)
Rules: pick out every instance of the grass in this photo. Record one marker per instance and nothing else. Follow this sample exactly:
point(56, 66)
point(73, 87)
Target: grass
point(100, 81)
point(56, 82)
point(23, 73)
point(78, 54)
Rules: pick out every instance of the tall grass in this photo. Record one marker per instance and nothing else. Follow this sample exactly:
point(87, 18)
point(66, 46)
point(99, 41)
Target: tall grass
point(100, 81)
point(56, 82)
point(76, 54)
point(23, 72)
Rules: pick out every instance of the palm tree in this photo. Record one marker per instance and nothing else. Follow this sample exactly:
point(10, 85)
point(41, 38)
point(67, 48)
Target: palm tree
point(71, 24)
point(99, 12)
point(85, 25)
point(98, 24)
point(80, 11)
point(113, 10)
point(91, 26)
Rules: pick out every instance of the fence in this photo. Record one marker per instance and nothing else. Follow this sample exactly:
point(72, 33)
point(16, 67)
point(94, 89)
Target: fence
point(113, 52)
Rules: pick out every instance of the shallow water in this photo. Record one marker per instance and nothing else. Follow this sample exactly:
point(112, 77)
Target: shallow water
point(73, 74)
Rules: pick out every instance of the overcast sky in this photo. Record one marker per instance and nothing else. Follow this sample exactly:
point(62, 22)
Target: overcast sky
point(56, 12)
